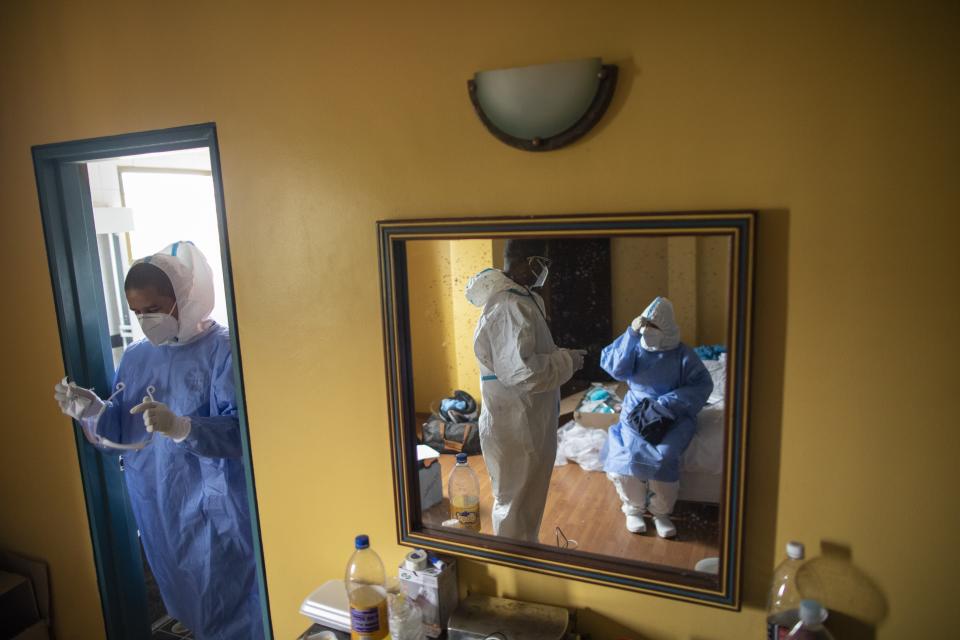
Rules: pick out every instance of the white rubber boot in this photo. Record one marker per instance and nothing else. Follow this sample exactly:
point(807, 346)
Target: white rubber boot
point(663, 495)
point(665, 527)
point(636, 524)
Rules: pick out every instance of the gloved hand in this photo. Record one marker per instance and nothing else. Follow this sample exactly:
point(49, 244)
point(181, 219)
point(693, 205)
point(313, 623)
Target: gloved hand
point(577, 355)
point(158, 418)
point(635, 325)
point(75, 401)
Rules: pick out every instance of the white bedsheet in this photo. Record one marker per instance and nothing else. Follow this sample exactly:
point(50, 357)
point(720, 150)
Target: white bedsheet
point(705, 453)
point(701, 466)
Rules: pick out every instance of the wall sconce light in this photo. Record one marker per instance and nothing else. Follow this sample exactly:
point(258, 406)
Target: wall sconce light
point(543, 107)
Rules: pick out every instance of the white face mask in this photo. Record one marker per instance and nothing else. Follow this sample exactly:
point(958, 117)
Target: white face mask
point(543, 273)
point(160, 328)
point(651, 339)
point(541, 279)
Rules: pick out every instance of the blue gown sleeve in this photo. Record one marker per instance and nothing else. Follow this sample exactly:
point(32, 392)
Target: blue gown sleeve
point(695, 387)
point(619, 357)
point(218, 435)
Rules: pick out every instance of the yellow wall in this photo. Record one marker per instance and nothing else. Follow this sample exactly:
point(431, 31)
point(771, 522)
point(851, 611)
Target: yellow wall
point(837, 120)
point(498, 246)
point(713, 287)
point(442, 321)
point(638, 274)
point(433, 342)
point(467, 258)
point(682, 284)
point(693, 272)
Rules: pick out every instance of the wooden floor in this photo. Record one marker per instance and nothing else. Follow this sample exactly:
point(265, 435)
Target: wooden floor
point(586, 507)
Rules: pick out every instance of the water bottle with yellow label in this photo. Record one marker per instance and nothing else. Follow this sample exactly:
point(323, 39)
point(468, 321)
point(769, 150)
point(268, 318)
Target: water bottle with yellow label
point(366, 590)
point(463, 489)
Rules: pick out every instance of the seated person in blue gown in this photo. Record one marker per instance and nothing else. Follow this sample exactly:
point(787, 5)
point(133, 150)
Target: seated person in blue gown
point(667, 377)
point(173, 416)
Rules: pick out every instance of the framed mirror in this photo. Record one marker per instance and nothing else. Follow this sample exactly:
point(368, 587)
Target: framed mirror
point(594, 370)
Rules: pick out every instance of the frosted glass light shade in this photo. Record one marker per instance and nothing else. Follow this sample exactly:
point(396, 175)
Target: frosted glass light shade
point(544, 106)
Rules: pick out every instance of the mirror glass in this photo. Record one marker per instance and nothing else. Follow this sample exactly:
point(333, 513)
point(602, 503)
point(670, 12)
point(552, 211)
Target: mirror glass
point(586, 379)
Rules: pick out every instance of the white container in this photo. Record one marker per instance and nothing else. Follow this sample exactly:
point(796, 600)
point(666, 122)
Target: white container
point(328, 605)
point(428, 470)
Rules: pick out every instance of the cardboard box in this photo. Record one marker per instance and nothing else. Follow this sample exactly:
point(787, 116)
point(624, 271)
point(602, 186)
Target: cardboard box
point(590, 419)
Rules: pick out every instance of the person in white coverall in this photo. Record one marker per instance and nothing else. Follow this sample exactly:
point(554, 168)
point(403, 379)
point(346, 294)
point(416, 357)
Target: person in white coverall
point(521, 370)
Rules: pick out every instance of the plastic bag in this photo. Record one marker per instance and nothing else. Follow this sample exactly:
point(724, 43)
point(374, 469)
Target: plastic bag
point(580, 444)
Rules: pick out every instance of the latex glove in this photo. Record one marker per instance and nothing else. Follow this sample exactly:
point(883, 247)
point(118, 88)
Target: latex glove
point(635, 325)
point(75, 401)
point(577, 355)
point(158, 418)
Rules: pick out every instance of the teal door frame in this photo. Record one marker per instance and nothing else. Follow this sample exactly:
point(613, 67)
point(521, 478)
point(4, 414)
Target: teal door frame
point(67, 214)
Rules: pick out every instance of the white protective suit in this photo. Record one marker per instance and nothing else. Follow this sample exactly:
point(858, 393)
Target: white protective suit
point(521, 371)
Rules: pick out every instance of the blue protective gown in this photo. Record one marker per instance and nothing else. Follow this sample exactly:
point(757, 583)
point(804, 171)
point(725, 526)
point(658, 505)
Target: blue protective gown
point(678, 381)
point(189, 498)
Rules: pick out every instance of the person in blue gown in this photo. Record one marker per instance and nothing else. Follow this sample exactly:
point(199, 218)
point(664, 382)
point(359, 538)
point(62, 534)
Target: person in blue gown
point(173, 416)
point(656, 366)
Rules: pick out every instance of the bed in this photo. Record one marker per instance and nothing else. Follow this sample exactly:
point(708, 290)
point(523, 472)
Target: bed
point(701, 468)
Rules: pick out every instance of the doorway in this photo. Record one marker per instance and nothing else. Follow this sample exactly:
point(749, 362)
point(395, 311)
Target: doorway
point(106, 202)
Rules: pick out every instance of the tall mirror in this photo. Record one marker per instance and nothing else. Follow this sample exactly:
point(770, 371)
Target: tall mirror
point(567, 393)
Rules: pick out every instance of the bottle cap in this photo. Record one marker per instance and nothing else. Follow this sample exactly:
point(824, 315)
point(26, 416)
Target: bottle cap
point(795, 550)
point(812, 613)
point(416, 560)
point(461, 458)
point(362, 541)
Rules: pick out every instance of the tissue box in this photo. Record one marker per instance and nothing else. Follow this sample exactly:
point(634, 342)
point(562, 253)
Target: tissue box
point(435, 592)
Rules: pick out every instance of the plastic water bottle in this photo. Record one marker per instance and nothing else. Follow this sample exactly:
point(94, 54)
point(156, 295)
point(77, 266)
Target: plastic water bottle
point(810, 626)
point(783, 603)
point(406, 619)
point(463, 489)
point(366, 590)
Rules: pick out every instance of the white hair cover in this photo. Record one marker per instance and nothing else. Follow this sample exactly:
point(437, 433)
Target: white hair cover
point(660, 313)
point(192, 281)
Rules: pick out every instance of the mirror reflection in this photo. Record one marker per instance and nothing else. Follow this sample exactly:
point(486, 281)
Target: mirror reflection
point(583, 381)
